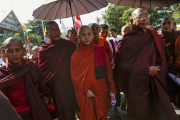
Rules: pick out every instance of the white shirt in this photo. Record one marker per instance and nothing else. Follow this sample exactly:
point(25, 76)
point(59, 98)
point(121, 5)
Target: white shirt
point(2, 63)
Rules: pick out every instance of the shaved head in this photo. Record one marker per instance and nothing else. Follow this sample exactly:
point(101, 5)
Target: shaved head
point(136, 11)
point(85, 36)
point(167, 18)
point(11, 40)
point(83, 28)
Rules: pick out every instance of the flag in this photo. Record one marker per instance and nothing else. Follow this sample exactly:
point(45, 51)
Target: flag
point(25, 34)
point(45, 31)
point(77, 23)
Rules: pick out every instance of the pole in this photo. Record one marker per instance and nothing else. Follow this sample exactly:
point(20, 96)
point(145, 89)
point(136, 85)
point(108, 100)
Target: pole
point(71, 10)
point(42, 26)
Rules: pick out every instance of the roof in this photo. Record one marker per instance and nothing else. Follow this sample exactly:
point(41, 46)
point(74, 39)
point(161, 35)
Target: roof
point(4, 14)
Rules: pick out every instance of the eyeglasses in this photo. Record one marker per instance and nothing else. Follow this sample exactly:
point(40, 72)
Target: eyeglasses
point(139, 17)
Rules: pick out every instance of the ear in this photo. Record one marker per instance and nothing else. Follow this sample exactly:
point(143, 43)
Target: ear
point(3, 51)
point(131, 20)
point(47, 33)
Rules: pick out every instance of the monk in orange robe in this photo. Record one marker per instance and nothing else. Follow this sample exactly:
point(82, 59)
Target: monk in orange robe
point(102, 39)
point(90, 73)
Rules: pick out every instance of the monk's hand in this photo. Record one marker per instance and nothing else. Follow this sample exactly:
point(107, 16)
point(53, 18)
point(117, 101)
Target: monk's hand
point(90, 93)
point(153, 70)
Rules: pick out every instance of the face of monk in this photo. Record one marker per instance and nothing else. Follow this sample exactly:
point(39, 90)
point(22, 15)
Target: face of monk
point(95, 31)
point(103, 33)
point(54, 31)
point(141, 18)
point(125, 30)
point(167, 25)
point(14, 52)
point(86, 36)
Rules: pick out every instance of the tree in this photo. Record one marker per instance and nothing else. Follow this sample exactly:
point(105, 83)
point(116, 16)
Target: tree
point(118, 16)
point(35, 27)
point(35, 39)
point(176, 13)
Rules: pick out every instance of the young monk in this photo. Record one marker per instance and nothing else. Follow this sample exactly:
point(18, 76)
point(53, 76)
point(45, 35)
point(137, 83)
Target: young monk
point(20, 82)
point(91, 74)
point(101, 40)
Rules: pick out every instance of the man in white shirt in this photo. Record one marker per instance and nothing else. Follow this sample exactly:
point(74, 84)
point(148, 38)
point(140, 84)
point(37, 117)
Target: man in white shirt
point(113, 41)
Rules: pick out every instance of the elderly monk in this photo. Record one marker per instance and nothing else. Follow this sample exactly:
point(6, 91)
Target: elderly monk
point(35, 51)
point(91, 74)
point(101, 40)
point(142, 68)
point(20, 81)
point(54, 62)
point(169, 36)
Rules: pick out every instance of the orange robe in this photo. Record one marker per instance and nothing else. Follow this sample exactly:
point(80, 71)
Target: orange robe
point(83, 77)
point(105, 44)
point(177, 52)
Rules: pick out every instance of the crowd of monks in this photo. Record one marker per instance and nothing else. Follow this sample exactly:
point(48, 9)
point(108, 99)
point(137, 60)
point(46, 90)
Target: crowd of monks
point(82, 77)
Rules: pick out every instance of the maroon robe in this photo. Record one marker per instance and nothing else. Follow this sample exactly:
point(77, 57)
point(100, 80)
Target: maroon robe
point(173, 89)
point(6, 110)
point(54, 61)
point(146, 95)
point(9, 74)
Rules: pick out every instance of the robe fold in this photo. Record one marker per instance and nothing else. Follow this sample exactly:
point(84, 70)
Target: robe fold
point(146, 95)
point(170, 41)
point(83, 77)
point(54, 62)
point(105, 44)
point(9, 74)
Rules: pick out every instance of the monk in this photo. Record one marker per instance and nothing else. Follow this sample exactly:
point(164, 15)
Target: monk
point(91, 74)
point(6, 110)
point(73, 37)
point(142, 68)
point(54, 62)
point(169, 36)
point(20, 81)
point(101, 40)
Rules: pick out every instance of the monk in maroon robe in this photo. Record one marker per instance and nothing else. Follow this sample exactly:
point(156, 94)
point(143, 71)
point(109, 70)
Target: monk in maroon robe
point(169, 36)
point(142, 69)
point(54, 62)
point(20, 82)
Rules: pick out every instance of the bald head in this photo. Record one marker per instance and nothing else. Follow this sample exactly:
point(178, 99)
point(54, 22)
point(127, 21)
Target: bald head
point(167, 24)
point(85, 36)
point(140, 17)
point(84, 28)
point(137, 11)
point(12, 40)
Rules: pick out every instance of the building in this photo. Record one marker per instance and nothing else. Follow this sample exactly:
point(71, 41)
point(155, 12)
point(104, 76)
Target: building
point(9, 23)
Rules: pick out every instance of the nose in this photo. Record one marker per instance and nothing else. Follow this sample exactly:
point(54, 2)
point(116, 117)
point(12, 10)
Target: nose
point(14, 53)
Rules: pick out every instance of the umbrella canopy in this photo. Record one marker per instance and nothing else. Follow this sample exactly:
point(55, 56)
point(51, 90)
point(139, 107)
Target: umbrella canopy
point(56, 9)
point(145, 3)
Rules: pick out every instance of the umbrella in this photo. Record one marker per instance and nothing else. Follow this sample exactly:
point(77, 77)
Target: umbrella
point(57, 9)
point(145, 3)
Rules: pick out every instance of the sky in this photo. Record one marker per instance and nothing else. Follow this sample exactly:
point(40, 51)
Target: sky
point(23, 9)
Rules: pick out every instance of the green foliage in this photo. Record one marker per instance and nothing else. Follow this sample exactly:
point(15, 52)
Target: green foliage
point(118, 16)
point(176, 13)
point(34, 39)
point(35, 27)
